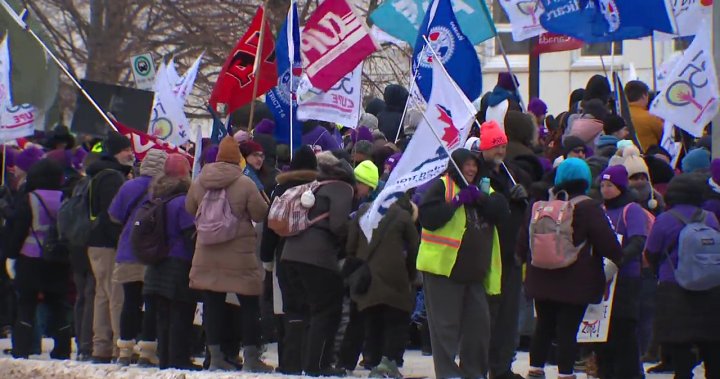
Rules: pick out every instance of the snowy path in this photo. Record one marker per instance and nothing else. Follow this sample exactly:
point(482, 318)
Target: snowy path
point(41, 366)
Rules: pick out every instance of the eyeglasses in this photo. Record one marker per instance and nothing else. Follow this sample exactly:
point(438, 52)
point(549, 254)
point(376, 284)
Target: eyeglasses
point(578, 150)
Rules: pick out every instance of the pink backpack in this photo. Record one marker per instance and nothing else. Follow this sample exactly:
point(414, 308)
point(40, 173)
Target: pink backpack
point(214, 219)
point(551, 232)
point(288, 214)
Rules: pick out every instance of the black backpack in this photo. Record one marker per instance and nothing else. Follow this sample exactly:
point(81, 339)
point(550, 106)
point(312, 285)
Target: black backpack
point(54, 248)
point(148, 236)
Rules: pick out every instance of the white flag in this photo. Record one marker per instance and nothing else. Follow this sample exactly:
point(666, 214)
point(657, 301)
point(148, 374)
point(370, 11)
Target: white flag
point(5, 68)
point(668, 143)
point(690, 97)
point(449, 113)
point(168, 121)
point(184, 85)
point(688, 14)
point(341, 104)
point(198, 153)
point(15, 121)
point(524, 17)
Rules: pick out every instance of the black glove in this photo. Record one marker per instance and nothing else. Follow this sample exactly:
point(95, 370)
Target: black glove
point(518, 193)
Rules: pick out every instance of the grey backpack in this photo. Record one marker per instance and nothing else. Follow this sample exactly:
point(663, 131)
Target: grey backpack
point(698, 267)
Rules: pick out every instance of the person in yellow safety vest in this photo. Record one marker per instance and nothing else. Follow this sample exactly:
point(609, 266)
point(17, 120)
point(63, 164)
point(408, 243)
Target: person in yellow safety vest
point(460, 260)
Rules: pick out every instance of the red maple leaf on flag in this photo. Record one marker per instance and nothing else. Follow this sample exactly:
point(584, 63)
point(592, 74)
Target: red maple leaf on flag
point(451, 135)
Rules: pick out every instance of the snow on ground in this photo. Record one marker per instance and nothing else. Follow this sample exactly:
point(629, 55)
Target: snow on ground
point(40, 366)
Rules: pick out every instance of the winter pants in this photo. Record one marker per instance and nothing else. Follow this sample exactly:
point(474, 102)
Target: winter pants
point(58, 324)
point(459, 319)
point(214, 314)
point(386, 331)
point(174, 320)
point(83, 312)
point(354, 341)
point(133, 324)
point(684, 360)
point(108, 302)
point(322, 291)
point(505, 315)
point(620, 356)
point(561, 321)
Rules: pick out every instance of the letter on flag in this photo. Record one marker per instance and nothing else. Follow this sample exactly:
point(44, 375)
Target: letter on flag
point(341, 104)
point(167, 120)
point(234, 86)
point(142, 143)
point(689, 98)
point(402, 18)
point(524, 16)
point(334, 41)
point(450, 114)
point(15, 121)
point(455, 51)
point(551, 43)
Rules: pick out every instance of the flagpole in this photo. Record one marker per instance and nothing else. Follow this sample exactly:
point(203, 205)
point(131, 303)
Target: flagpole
point(291, 57)
point(4, 157)
point(258, 66)
point(22, 24)
point(510, 71)
point(445, 148)
point(654, 65)
point(407, 105)
point(612, 62)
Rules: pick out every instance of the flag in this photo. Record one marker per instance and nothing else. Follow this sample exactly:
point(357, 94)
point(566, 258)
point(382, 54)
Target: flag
point(142, 143)
point(524, 16)
point(167, 120)
point(689, 98)
point(184, 85)
point(669, 144)
point(665, 68)
point(450, 115)
point(455, 51)
point(234, 86)
point(219, 131)
point(15, 121)
point(625, 111)
point(282, 99)
point(334, 41)
point(607, 20)
point(340, 105)
point(402, 18)
point(196, 167)
point(551, 43)
point(687, 16)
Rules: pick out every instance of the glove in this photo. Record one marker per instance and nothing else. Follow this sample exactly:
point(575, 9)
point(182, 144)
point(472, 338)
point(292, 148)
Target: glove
point(518, 192)
point(269, 266)
point(610, 270)
point(467, 195)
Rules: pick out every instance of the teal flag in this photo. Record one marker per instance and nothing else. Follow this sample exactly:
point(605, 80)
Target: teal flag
point(402, 18)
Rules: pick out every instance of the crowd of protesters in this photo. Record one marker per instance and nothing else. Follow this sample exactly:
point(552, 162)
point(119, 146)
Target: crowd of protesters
point(451, 267)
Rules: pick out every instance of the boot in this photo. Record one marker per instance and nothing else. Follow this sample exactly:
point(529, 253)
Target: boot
point(252, 361)
point(217, 360)
point(147, 351)
point(125, 351)
point(386, 369)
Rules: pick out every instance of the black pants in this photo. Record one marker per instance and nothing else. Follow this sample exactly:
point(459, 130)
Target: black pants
point(83, 311)
point(684, 359)
point(58, 324)
point(619, 357)
point(354, 342)
point(561, 321)
point(504, 318)
point(214, 315)
point(386, 331)
point(132, 323)
point(174, 329)
point(318, 291)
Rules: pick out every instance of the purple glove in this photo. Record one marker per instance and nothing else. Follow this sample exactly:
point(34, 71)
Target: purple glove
point(467, 195)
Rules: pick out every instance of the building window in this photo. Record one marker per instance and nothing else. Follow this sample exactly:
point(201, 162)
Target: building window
point(504, 29)
point(601, 49)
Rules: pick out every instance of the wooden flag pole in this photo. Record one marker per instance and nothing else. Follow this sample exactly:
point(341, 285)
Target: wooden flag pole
point(654, 63)
point(258, 66)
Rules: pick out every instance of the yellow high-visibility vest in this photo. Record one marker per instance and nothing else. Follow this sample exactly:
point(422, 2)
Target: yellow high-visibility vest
point(439, 248)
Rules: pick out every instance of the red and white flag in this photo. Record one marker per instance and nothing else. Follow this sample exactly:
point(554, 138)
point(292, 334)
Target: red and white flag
point(234, 86)
point(334, 41)
point(143, 142)
point(552, 43)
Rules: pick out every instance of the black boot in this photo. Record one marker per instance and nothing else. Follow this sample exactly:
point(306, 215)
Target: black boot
point(291, 363)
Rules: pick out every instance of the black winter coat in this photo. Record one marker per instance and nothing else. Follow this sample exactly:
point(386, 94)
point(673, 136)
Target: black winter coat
point(104, 189)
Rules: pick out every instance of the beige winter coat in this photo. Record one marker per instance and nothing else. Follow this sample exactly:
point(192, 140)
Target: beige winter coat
point(232, 266)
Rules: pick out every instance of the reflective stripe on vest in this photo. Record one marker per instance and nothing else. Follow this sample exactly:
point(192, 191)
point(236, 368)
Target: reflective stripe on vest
point(439, 248)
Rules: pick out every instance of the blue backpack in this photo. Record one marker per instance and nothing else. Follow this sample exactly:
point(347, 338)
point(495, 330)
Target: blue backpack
point(698, 267)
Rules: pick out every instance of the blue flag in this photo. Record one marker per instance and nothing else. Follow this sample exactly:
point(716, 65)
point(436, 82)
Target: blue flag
point(402, 18)
point(219, 131)
point(289, 65)
point(607, 20)
point(453, 48)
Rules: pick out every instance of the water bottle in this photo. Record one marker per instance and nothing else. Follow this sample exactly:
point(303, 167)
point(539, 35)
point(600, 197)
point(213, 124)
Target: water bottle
point(485, 185)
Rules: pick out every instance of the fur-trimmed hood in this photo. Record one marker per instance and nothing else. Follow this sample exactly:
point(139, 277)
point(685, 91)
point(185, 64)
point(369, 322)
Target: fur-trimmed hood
point(166, 186)
point(297, 175)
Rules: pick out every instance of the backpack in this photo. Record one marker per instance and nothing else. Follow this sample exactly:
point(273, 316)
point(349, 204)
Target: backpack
point(75, 218)
point(288, 214)
point(214, 219)
point(551, 232)
point(698, 267)
point(148, 236)
point(53, 248)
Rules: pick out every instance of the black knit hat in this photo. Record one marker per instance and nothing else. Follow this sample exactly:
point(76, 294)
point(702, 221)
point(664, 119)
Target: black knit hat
point(686, 189)
point(304, 159)
point(613, 123)
point(598, 87)
point(115, 143)
point(570, 143)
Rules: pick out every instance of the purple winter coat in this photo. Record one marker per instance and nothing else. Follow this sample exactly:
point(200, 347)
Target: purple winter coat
point(321, 137)
point(131, 195)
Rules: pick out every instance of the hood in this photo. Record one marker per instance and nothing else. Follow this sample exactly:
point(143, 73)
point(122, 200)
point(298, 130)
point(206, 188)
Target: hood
point(106, 162)
point(519, 127)
point(607, 140)
point(395, 97)
point(460, 156)
point(498, 95)
point(375, 106)
point(598, 87)
point(305, 176)
point(166, 186)
point(219, 175)
point(686, 189)
point(154, 163)
point(660, 171)
point(332, 168)
point(586, 129)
